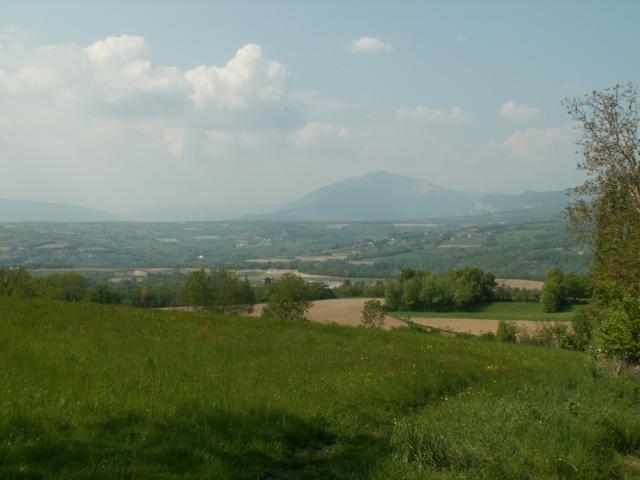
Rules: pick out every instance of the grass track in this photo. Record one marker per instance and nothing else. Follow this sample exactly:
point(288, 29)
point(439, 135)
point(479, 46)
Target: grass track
point(90, 391)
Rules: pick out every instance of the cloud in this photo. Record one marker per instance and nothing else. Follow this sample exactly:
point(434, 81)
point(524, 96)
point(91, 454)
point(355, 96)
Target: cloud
point(452, 116)
point(370, 45)
point(314, 133)
point(248, 77)
point(512, 111)
point(539, 144)
point(460, 38)
point(116, 74)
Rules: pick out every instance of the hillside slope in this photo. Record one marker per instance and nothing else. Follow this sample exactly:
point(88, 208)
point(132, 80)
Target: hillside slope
point(28, 211)
point(89, 391)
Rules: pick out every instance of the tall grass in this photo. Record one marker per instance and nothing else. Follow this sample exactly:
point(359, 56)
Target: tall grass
point(91, 391)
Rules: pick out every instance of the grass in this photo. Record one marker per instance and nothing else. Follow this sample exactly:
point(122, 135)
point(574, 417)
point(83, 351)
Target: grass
point(89, 391)
point(502, 311)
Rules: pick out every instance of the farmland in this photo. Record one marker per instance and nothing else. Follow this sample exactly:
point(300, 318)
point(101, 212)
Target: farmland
point(93, 391)
point(511, 247)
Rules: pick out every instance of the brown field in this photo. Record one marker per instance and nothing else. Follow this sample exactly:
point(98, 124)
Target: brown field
point(517, 283)
point(348, 311)
point(361, 262)
point(269, 260)
point(320, 258)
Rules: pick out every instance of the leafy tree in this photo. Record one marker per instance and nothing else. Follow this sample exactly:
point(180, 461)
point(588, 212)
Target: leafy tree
point(606, 213)
point(288, 298)
point(373, 314)
point(68, 286)
point(198, 289)
point(16, 282)
point(553, 295)
point(103, 293)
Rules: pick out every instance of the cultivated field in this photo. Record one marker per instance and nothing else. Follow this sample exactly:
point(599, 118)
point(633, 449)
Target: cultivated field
point(518, 283)
point(348, 312)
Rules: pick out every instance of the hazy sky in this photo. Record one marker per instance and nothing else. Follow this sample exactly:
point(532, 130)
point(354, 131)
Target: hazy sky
point(126, 105)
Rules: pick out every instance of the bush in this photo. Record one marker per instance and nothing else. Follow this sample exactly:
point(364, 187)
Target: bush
point(103, 293)
point(69, 286)
point(373, 314)
point(555, 335)
point(220, 291)
point(507, 331)
point(16, 282)
point(288, 298)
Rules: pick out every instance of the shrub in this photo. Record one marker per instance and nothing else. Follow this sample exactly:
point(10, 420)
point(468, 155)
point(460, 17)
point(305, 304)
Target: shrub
point(103, 293)
point(288, 298)
point(16, 282)
point(507, 331)
point(373, 314)
point(555, 335)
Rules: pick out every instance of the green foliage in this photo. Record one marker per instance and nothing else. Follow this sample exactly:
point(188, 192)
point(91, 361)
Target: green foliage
point(582, 329)
point(198, 289)
point(288, 298)
point(220, 291)
point(16, 282)
point(616, 323)
point(553, 296)
point(68, 286)
point(89, 391)
point(373, 314)
point(424, 291)
point(606, 214)
point(562, 289)
point(507, 331)
point(103, 293)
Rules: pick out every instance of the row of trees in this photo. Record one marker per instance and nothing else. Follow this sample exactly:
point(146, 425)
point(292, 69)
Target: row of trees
point(421, 290)
point(562, 289)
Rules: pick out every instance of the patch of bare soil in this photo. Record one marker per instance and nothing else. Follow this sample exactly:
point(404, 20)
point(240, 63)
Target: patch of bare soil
point(518, 283)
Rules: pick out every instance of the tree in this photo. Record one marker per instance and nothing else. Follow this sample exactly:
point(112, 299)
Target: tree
point(69, 286)
point(373, 314)
point(606, 213)
point(103, 293)
point(606, 209)
point(16, 282)
point(288, 298)
point(198, 290)
point(553, 296)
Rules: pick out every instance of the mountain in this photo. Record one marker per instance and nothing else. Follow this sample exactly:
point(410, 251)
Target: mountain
point(390, 196)
point(28, 211)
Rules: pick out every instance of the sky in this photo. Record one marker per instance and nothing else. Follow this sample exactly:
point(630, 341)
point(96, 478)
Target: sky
point(128, 105)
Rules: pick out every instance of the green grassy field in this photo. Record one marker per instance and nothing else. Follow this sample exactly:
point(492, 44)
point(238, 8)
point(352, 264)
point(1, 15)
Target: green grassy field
point(89, 391)
point(502, 311)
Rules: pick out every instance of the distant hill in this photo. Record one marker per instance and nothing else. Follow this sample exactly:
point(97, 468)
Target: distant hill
point(390, 196)
point(196, 214)
point(28, 211)
point(375, 196)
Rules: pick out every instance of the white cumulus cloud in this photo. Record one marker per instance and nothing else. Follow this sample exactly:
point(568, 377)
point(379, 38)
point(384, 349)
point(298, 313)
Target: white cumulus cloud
point(513, 111)
point(370, 45)
point(246, 78)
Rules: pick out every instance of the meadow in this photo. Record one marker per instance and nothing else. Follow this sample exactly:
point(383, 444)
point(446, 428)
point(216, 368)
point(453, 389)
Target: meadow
point(502, 311)
point(93, 391)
